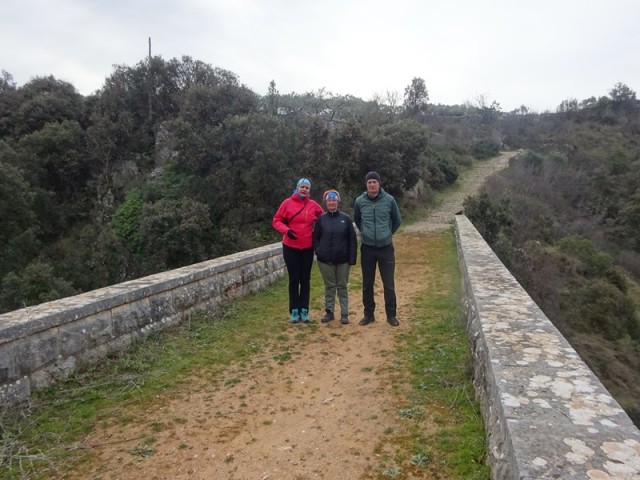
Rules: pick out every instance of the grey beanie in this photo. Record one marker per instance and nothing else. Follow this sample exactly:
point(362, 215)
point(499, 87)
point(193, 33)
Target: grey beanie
point(372, 176)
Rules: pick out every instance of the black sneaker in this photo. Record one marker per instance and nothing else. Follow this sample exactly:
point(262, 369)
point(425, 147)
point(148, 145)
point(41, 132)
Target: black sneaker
point(327, 317)
point(393, 321)
point(367, 319)
point(344, 319)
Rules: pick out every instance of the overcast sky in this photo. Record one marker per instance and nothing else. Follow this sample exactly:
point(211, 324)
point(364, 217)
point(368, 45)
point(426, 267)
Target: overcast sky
point(516, 52)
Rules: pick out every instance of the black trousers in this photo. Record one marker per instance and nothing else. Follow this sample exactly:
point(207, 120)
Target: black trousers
point(384, 258)
point(299, 263)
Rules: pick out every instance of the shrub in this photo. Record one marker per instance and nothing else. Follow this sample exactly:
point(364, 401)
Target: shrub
point(126, 221)
point(440, 171)
point(604, 309)
point(630, 262)
point(490, 218)
point(483, 149)
point(36, 284)
point(593, 263)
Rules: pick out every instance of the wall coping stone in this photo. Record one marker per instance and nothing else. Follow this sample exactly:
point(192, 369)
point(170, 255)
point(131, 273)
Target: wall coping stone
point(30, 320)
point(546, 414)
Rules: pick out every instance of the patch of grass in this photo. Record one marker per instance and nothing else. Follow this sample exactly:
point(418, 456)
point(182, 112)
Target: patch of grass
point(157, 426)
point(232, 381)
point(282, 357)
point(420, 460)
point(411, 413)
point(436, 354)
point(392, 472)
point(142, 451)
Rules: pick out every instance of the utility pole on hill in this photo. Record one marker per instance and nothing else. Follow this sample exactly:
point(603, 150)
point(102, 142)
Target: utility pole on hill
point(150, 85)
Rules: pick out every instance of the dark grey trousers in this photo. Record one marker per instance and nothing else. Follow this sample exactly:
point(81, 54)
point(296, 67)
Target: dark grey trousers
point(384, 259)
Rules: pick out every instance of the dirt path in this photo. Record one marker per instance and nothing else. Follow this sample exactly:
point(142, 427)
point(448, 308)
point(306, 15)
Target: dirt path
point(441, 217)
point(323, 415)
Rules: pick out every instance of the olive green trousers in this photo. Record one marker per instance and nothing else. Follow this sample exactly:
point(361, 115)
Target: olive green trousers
point(336, 281)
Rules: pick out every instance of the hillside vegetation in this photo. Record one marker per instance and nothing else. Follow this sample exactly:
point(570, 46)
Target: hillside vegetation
point(174, 162)
point(565, 219)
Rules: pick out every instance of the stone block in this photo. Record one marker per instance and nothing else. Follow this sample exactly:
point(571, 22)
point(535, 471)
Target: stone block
point(7, 364)
point(85, 334)
point(36, 351)
point(161, 307)
point(15, 392)
point(130, 317)
point(187, 296)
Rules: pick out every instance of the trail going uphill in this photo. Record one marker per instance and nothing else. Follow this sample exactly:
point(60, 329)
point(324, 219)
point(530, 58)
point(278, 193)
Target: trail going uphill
point(441, 217)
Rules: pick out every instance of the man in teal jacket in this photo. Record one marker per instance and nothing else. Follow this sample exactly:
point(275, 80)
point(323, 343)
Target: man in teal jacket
point(377, 216)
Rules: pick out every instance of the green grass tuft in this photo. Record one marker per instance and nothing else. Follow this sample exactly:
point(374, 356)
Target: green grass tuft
point(436, 354)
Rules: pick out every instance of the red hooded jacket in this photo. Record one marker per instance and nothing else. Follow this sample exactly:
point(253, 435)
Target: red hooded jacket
point(302, 223)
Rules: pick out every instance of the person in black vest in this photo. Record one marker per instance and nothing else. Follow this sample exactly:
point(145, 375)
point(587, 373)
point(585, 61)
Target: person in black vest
point(336, 247)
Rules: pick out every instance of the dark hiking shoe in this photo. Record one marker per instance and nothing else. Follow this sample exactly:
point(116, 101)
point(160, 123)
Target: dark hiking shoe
point(344, 319)
point(393, 321)
point(367, 319)
point(327, 317)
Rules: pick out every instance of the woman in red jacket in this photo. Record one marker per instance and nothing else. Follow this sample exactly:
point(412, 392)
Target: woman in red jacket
point(294, 220)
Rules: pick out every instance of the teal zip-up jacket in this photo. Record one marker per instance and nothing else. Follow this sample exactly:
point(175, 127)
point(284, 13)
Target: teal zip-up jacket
point(377, 218)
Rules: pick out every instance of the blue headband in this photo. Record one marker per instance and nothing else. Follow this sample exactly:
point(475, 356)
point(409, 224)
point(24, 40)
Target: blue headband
point(331, 194)
point(304, 180)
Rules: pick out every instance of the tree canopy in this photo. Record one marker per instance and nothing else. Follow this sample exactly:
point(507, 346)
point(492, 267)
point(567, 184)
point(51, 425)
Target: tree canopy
point(174, 162)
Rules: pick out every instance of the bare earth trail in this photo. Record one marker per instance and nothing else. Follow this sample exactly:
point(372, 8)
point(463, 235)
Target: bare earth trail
point(323, 414)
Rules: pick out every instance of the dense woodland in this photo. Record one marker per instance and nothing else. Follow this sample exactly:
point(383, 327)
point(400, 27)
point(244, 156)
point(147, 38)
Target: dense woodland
point(176, 162)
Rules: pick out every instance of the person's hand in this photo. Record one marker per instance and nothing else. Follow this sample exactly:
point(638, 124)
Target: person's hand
point(292, 234)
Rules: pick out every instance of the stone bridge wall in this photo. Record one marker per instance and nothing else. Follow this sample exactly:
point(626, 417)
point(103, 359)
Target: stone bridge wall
point(546, 414)
point(43, 343)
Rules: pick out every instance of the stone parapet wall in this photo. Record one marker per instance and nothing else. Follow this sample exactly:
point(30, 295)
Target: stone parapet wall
point(46, 342)
point(546, 414)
